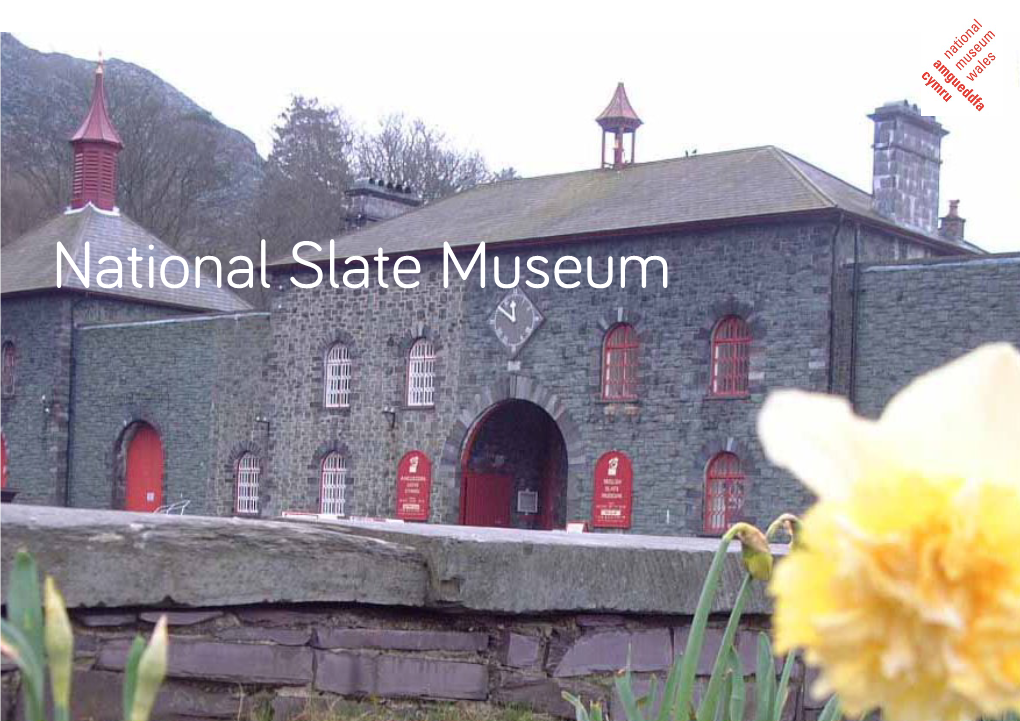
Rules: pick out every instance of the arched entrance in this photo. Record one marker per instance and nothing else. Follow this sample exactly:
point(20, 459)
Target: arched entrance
point(143, 468)
point(514, 469)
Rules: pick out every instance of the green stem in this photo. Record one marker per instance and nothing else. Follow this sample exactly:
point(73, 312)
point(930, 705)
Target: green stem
point(696, 638)
point(711, 700)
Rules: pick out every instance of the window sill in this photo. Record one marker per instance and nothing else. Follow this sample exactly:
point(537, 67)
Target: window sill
point(418, 408)
point(619, 401)
point(727, 396)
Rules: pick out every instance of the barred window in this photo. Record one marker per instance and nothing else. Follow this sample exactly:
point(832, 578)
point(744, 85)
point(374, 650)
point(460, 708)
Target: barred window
point(248, 469)
point(9, 359)
point(620, 364)
point(334, 484)
point(421, 374)
point(338, 377)
point(731, 350)
point(724, 492)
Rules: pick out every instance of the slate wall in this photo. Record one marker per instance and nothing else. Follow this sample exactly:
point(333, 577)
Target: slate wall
point(198, 381)
point(36, 417)
point(914, 317)
point(228, 662)
point(778, 276)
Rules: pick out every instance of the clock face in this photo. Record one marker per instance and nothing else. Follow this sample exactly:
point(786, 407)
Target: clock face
point(514, 320)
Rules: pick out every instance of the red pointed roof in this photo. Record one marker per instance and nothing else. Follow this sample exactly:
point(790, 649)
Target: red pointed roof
point(619, 114)
point(97, 126)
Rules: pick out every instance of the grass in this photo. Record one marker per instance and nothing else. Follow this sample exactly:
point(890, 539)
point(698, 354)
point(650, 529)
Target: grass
point(378, 710)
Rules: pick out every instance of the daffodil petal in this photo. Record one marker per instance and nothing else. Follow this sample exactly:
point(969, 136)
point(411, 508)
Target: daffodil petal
point(963, 419)
point(818, 439)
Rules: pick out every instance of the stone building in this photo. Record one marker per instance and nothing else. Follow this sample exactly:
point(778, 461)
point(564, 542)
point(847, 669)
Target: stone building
point(621, 407)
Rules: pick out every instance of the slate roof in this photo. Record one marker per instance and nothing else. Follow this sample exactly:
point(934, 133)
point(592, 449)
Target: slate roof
point(30, 262)
point(730, 185)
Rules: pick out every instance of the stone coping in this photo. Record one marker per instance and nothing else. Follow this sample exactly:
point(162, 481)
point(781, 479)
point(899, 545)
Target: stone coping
point(117, 559)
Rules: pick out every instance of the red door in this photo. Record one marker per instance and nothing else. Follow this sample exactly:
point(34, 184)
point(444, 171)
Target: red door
point(144, 481)
point(488, 499)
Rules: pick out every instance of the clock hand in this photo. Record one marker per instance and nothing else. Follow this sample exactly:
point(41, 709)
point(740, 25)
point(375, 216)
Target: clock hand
point(513, 311)
point(502, 310)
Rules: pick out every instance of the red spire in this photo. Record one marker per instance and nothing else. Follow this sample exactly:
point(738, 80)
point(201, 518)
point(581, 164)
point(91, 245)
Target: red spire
point(96, 144)
point(619, 115)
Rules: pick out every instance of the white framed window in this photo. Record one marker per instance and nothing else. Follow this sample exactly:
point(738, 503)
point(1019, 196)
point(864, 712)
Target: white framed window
point(334, 484)
point(421, 374)
point(338, 377)
point(248, 469)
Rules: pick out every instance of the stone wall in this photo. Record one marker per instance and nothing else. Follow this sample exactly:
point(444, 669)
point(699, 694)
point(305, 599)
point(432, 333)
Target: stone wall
point(38, 416)
point(197, 380)
point(778, 276)
point(285, 615)
point(915, 316)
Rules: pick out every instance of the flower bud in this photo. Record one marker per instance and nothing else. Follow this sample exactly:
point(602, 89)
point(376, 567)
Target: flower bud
point(59, 641)
point(151, 672)
point(792, 525)
point(754, 549)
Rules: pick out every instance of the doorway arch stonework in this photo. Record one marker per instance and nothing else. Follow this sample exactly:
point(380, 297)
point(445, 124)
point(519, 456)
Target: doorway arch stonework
point(513, 387)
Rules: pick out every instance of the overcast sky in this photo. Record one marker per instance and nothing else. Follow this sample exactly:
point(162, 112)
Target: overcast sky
point(803, 82)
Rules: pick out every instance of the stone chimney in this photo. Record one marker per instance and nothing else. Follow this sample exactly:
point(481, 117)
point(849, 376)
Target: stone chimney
point(905, 175)
point(951, 225)
point(372, 200)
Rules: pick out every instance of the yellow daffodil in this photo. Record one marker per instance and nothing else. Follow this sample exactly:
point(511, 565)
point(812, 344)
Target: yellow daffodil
point(906, 588)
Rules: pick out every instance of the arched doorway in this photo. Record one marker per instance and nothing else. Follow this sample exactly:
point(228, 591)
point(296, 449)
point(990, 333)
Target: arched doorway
point(143, 468)
point(514, 469)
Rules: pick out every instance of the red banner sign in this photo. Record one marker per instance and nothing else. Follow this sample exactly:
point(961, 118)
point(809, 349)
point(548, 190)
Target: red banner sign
point(614, 482)
point(414, 484)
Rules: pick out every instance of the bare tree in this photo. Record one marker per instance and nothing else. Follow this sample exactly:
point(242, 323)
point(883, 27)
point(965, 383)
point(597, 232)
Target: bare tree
point(412, 153)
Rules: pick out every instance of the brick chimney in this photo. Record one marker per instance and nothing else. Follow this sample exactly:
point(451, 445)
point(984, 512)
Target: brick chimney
point(372, 200)
point(905, 175)
point(951, 225)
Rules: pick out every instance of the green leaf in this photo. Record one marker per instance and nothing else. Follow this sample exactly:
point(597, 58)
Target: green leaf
point(24, 601)
point(784, 684)
point(738, 700)
point(765, 680)
point(831, 711)
point(667, 709)
point(31, 665)
point(713, 692)
point(131, 675)
point(696, 638)
point(625, 690)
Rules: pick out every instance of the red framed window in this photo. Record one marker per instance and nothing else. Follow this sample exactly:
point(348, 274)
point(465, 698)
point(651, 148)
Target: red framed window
point(8, 359)
point(731, 352)
point(724, 492)
point(249, 468)
point(620, 364)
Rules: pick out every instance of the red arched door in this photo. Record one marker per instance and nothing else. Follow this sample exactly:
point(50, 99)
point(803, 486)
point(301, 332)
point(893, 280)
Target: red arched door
point(144, 475)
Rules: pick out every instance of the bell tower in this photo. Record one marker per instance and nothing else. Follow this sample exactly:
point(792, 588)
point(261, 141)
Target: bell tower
point(95, 144)
point(617, 120)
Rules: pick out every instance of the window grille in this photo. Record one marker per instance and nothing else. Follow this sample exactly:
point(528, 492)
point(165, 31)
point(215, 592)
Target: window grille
point(724, 493)
point(248, 470)
point(421, 374)
point(338, 377)
point(334, 484)
point(731, 351)
point(8, 360)
point(620, 364)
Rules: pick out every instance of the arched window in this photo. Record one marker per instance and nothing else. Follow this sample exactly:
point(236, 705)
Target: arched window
point(248, 470)
point(338, 377)
point(421, 374)
point(731, 350)
point(724, 492)
point(620, 364)
point(334, 484)
point(9, 358)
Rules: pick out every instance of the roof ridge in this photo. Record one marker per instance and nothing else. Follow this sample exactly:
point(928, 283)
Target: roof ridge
point(810, 184)
point(825, 172)
point(86, 218)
